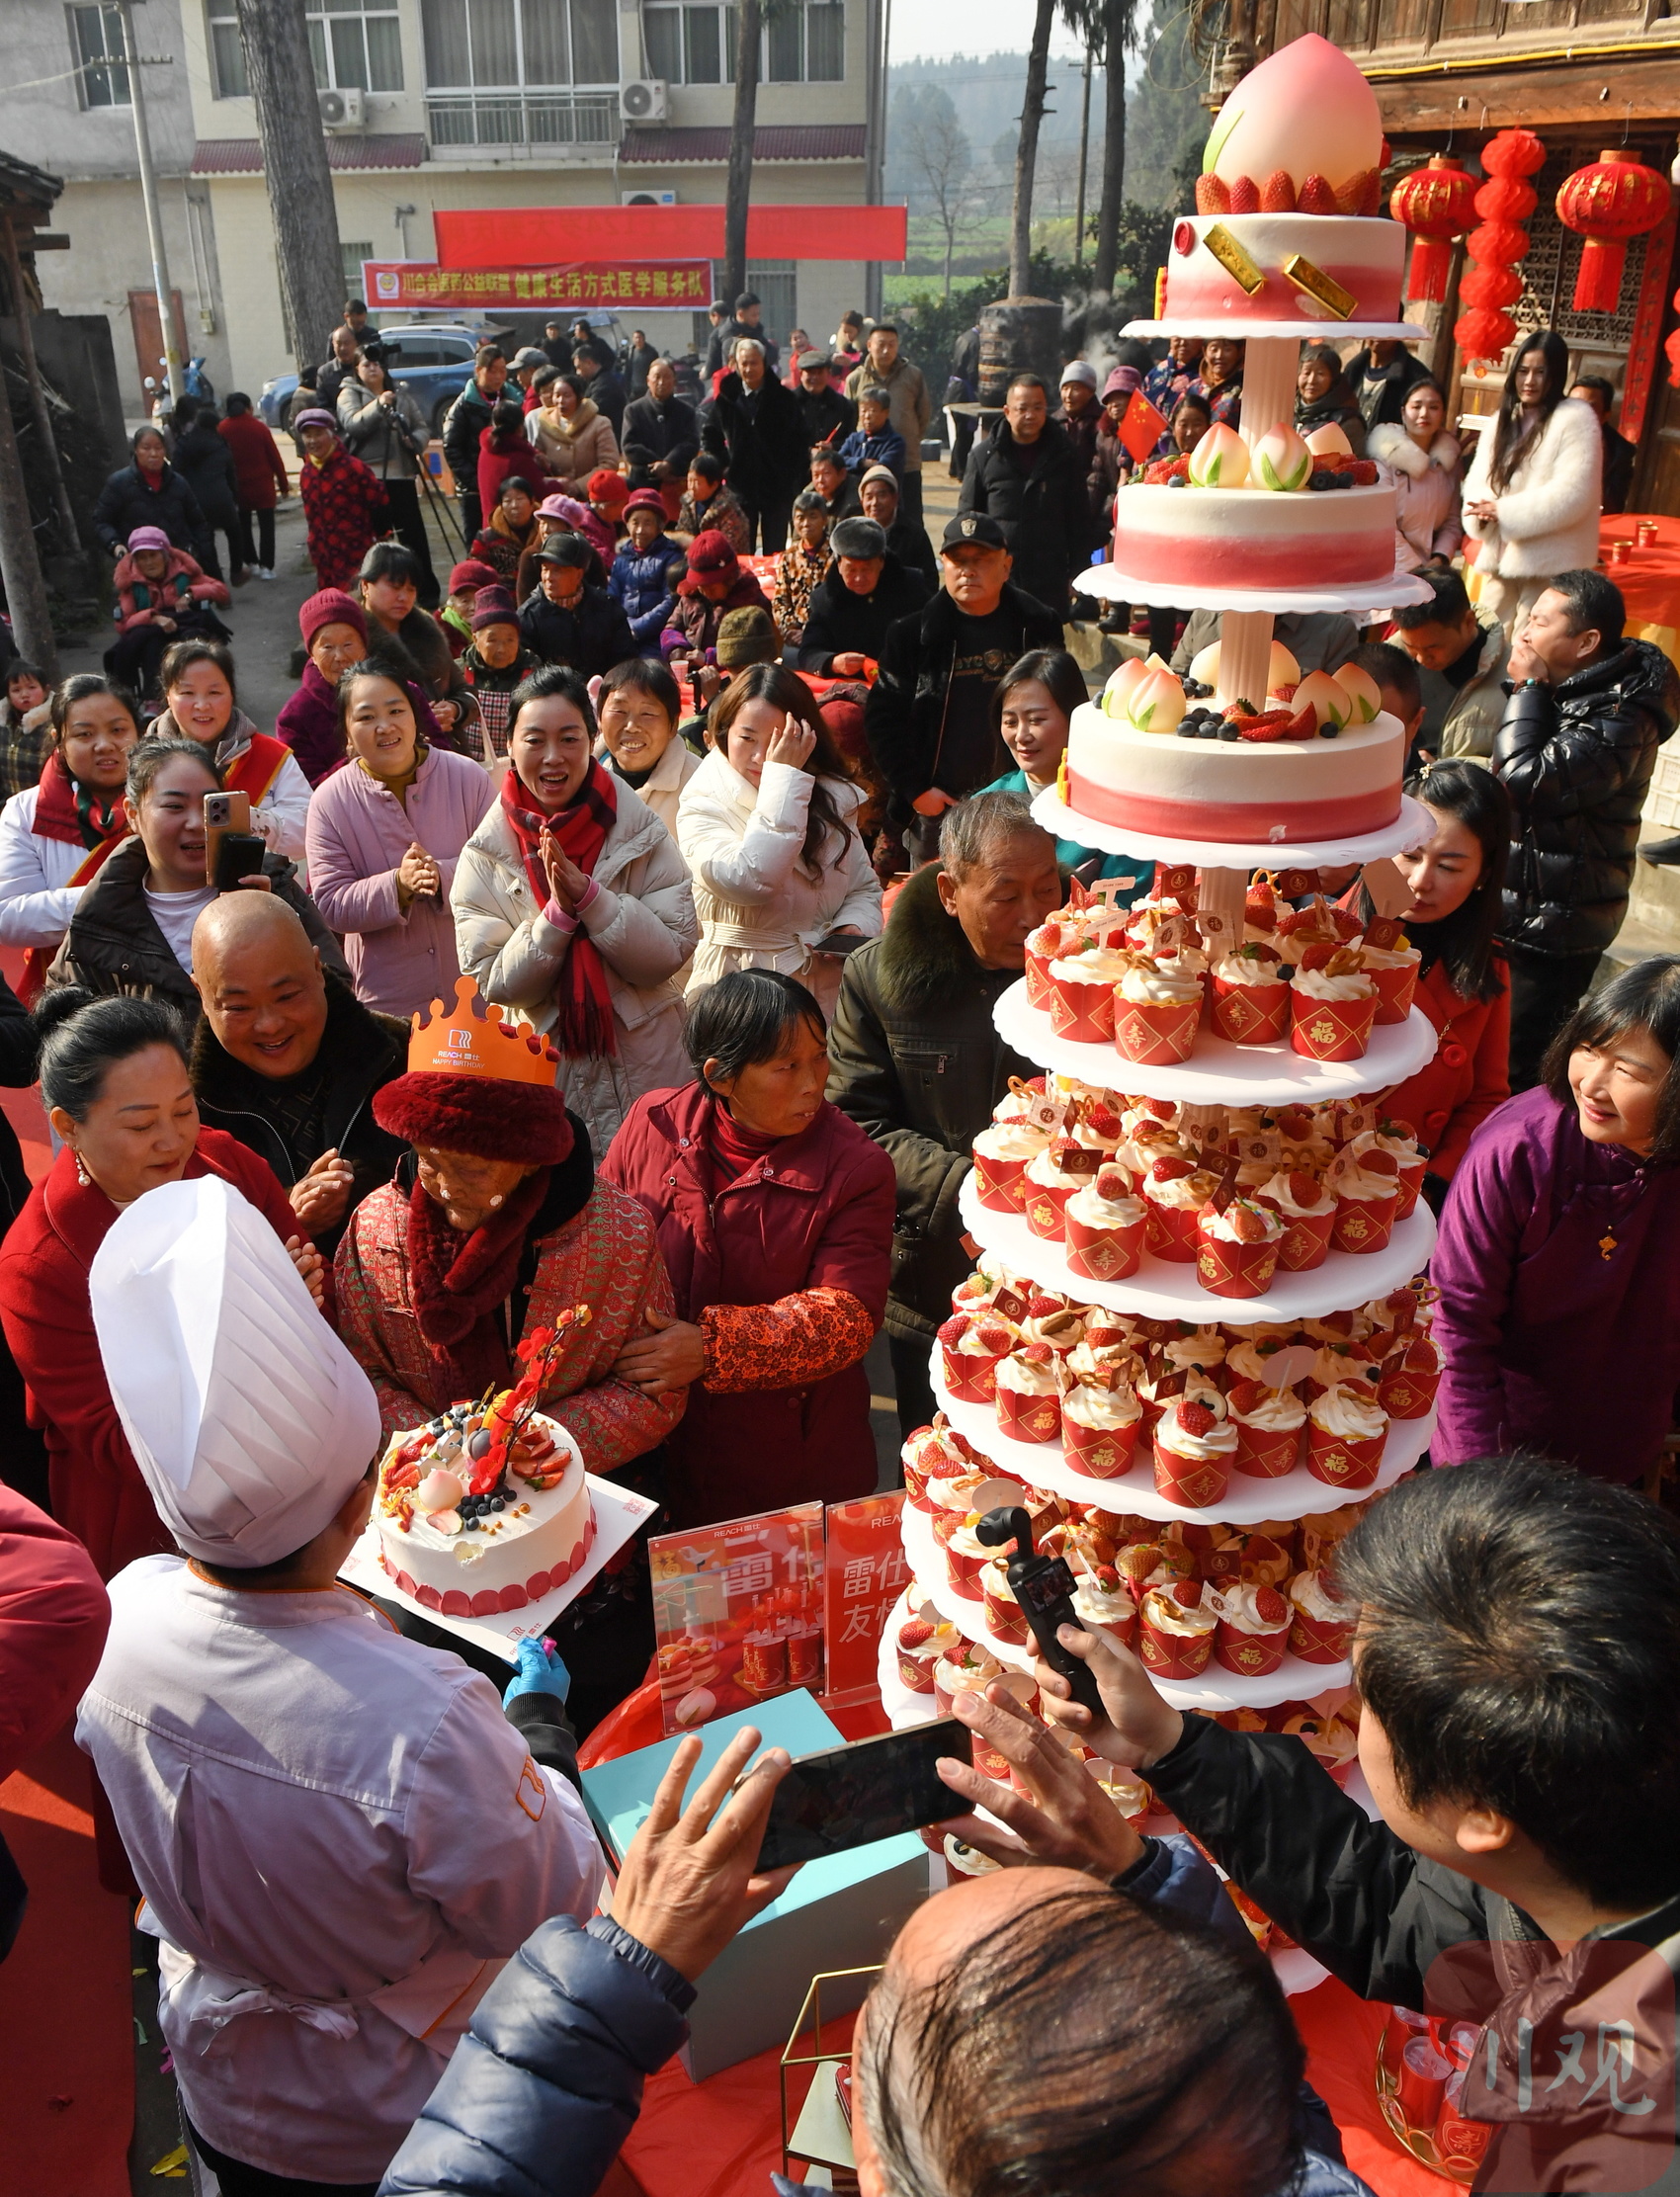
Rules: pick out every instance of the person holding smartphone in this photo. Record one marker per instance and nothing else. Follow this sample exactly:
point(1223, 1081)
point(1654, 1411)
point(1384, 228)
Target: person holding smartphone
point(768, 827)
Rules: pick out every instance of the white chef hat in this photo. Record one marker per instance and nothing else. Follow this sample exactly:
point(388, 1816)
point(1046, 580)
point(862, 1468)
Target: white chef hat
point(248, 1419)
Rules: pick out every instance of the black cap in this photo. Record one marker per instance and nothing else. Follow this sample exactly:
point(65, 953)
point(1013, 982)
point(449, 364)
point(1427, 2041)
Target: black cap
point(978, 526)
point(565, 549)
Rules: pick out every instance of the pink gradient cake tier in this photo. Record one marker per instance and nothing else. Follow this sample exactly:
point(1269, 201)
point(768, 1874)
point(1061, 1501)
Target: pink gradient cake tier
point(1245, 791)
point(1258, 537)
point(1366, 259)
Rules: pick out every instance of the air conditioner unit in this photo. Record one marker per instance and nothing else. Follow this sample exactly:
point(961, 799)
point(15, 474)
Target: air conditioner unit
point(346, 110)
point(644, 101)
point(648, 197)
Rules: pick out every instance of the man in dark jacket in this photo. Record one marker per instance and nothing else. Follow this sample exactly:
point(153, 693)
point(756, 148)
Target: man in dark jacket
point(601, 384)
point(1027, 476)
point(640, 364)
point(747, 319)
point(1620, 455)
point(864, 591)
point(468, 419)
point(204, 461)
point(287, 1059)
point(331, 377)
point(929, 718)
point(755, 428)
point(564, 621)
point(828, 416)
point(1382, 378)
point(916, 1058)
point(908, 539)
point(660, 427)
point(1588, 711)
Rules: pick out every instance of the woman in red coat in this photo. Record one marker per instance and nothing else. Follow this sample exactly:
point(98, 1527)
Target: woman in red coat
point(259, 478)
point(1463, 983)
point(775, 1218)
point(114, 1077)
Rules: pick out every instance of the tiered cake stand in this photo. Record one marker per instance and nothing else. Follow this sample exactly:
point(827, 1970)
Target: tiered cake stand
point(1218, 1073)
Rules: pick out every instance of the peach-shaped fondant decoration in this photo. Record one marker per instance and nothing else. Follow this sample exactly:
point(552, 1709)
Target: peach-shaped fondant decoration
point(1362, 691)
point(1325, 696)
point(1281, 458)
point(1306, 110)
point(1120, 688)
point(1220, 460)
point(1156, 704)
point(439, 1491)
point(1328, 441)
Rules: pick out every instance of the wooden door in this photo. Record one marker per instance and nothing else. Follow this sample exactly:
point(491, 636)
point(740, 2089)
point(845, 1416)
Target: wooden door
point(148, 333)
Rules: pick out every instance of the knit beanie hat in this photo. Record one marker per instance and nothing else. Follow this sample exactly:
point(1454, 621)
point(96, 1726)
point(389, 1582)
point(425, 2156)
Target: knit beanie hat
point(711, 557)
point(494, 606)
point(747, 636)
point(331, 607)
point(472, 572)
point(607, 487)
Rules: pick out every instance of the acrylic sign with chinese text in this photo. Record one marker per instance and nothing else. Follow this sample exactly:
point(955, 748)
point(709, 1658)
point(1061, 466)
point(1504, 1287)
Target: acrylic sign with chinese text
point(679, 286)
point(737, 1612)
point(864, 1573)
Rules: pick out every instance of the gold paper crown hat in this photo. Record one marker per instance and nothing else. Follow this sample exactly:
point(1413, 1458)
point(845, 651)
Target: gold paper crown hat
point(471, 1040)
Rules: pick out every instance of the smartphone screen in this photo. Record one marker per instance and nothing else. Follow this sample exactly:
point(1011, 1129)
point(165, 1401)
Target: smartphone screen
point(872, 1789)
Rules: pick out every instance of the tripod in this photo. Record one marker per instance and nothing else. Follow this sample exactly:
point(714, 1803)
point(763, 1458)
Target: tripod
point(448, 525)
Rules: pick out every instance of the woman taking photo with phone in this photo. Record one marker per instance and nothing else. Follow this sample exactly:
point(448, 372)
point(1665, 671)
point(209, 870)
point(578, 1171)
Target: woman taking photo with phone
point(1558, 1262)
point(384, 836)
point(132, 930)
point(768, 827)
point(384, 427)
point(775, 1221)
point(201, 703)
point(573, 908)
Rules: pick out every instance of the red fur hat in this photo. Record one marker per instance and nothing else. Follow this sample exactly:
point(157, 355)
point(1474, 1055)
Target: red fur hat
point(481, 1115)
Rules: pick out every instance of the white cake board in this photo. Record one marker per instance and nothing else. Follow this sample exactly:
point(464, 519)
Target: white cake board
point(1217, 1073)
point(1298, 330)
point(1247, 1501)
point(1165, 1289)
point(1410, 828)
point(1368, 597)
point(619, 1514)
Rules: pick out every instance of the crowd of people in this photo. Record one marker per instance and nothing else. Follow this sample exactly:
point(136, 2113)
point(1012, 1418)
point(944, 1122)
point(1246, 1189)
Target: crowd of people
point(756, 857)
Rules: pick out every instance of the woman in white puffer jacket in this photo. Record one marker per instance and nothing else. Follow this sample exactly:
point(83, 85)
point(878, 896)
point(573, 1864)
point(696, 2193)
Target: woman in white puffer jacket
point(1533, 495)
point(1423, 463)
point(768, 827)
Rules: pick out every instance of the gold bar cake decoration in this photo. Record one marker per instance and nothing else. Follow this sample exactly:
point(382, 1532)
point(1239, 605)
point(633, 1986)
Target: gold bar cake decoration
point(1234, 260)
point(1316, 284)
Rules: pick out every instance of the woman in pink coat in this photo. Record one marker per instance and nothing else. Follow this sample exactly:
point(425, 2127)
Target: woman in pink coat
point(383, 839)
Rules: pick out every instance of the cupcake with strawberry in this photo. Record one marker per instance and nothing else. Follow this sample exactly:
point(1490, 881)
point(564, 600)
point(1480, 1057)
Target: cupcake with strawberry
point(1346, 1430)
point(1268, 1424)
point(1100, 1424)
point(1175, 1630)
point(1052, 1176)
point(1391, 962)
point(1103, 1603)
point(1054, 937)
point(971, 1348)
point(1054, 1320)
point(1250, 998)
point(1157, 1007)
point(1004, 1618)
point(1174, 1191)
point(921, 1640)
point(1237, 1248)
point(1253, 1629)
point(933, 1452)
point(1028, 1396)
point(1399, 1140)
point(1333, 1004)
point(1195, 1448)
point(965, 1668)
point(1002, 1153)
point(1081, 999)
point(1307, 1212)
point(1409, 1378)
point(1321, 1624)
point(1104, 1226)
point(1368, 1196)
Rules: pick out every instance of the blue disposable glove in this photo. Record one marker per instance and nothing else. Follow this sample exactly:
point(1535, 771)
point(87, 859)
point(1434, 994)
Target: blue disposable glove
point(540, 1672)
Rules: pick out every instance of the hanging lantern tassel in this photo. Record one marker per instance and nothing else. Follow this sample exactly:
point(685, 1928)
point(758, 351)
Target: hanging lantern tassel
point(1436, 202)
point(1615, 200)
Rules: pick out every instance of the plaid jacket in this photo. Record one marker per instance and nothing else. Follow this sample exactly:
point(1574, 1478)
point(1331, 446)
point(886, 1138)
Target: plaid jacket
point(605, 1257)
point(345, 510)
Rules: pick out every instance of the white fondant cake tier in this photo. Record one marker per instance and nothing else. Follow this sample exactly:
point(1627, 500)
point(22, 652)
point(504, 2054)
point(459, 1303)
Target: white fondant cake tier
point(505, 1559)
point(1366, 257)
point(1261, 538)
point(1235, 789)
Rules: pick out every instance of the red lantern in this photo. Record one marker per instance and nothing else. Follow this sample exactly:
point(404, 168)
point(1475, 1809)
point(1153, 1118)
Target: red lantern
point(1497, 243)
point(1436, 203)
point(1503, 201)
point(1513, 153)
point(1490, 286)
point(1483, 333)
point(1616, 198)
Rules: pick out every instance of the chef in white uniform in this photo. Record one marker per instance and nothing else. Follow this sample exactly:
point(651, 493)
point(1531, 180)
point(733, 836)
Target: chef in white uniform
point(340, 1835)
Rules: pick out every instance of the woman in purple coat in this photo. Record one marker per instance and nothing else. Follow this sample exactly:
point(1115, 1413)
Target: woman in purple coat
point(1559, 1263)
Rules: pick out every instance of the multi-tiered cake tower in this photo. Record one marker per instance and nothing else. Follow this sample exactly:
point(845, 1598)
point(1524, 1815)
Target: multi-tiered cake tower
point(1195, 1338)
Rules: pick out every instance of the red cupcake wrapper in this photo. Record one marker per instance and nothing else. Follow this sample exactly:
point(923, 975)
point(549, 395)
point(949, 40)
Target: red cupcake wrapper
point(1394, 989)
point(1317, 1640)
point(969, 1376)
point(1332, 1028)
point(1038, 978)
point(945, 1521)
point(1250, 1014)
point(1366, 1223)
point(1249, 1654)
point(1082, 1012)
point(1412, 1173)
point(1005, 1618)
point(1125, 1629)
point(1171, 1232)
point(1235, 1269)
point(1027, 1419)
point(1105, 1451)
point(1154, 1034)
point(964, 1571)
point(1000, 1184)
point(914, 1674)
point(1341, 1464)
point(915, 1486)
point(1173, 1654)
point(1196, 1482)
point(1306, 1241)
point(1043, 1208)
point(1408, 1395)
point(1103, 1254)
point(1266, 1453)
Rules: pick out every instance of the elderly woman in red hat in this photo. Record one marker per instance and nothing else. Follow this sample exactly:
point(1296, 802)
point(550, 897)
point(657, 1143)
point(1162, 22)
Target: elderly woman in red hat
point(492, 1224)
point(715, 584)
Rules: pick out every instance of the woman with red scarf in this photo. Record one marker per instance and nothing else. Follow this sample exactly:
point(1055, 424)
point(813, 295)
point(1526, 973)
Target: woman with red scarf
point(493, 1225)
point(54, 836)
point(573, 906)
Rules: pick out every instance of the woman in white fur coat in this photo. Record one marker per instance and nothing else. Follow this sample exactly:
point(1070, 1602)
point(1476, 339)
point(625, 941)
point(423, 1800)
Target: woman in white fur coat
point(1423, 464)
point(1532, 499)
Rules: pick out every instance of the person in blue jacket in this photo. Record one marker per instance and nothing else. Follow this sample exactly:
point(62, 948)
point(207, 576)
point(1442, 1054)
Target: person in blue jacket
point(640, 581)
point(874, 441)
point(1032, 709)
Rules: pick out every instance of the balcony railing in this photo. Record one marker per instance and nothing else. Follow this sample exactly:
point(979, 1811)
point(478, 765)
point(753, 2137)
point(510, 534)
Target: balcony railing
point(533, 119)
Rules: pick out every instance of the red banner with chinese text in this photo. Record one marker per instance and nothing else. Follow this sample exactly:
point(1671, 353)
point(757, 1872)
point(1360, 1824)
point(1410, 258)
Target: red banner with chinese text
point(737, 1612)
point(865, 1570)
point(676, 286)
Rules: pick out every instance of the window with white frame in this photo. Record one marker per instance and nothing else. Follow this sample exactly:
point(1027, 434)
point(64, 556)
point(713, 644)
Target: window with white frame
point(96, 40)
point(350, 259)
point(520, 44)
point(805, 43)
point(353, 44)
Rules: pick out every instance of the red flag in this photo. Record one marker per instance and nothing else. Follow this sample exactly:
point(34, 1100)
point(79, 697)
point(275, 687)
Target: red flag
point(1141, 427)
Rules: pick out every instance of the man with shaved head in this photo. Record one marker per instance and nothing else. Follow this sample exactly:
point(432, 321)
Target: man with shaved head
point(287, 1059)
